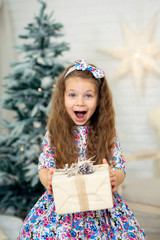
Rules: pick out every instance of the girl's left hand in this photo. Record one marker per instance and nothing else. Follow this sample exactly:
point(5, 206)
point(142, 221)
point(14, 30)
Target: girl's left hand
point(49, 178)
point(113, 177)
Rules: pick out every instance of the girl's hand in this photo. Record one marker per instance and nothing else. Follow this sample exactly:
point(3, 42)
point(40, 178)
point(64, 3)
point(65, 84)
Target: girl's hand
point(113, 177)
point(49, 180)
point(113, 180)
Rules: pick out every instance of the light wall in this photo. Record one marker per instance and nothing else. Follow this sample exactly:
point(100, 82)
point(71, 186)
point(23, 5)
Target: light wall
point(91, 26)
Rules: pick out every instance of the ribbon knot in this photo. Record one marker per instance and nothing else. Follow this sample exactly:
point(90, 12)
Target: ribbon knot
point(82, 65)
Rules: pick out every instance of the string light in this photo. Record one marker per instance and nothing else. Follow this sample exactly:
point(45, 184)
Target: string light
point(22, 149)
point(39, 89)
point(37, 124)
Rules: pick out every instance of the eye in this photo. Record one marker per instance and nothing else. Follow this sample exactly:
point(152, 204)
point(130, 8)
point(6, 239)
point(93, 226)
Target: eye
point(88, 95)
point(72, 95)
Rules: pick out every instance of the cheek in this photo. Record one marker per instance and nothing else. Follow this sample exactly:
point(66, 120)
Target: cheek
point(94, 106)
point(67, 104)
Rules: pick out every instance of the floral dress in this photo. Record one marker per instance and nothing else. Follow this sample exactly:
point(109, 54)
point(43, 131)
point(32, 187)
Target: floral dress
point(43, 223)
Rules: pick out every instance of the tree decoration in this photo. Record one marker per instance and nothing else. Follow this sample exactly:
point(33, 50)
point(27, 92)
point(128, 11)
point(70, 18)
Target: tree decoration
point(27, 94)
point(140, 54)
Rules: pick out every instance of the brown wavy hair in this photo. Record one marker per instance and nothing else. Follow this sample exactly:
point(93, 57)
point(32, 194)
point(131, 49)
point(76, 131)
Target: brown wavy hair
point(100, 139)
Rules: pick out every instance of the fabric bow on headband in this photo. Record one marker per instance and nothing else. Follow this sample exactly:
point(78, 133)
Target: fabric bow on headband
point(82, 65)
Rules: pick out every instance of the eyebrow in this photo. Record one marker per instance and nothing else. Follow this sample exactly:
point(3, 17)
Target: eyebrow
point(73, 90)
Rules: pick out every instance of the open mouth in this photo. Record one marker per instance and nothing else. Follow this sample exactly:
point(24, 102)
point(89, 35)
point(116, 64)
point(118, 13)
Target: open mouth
point(80, 114)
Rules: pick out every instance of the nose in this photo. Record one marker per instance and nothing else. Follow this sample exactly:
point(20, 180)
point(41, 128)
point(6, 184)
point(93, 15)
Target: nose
point(80, 101)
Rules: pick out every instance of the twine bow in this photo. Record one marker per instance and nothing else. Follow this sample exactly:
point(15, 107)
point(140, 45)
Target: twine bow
point(86, 167)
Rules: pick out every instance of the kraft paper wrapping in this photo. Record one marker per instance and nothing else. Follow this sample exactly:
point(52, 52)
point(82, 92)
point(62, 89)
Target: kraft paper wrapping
point(81, 193)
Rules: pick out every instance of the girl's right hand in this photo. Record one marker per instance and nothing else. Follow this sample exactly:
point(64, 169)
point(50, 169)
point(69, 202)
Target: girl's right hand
point(113, 177)
point(49, 180)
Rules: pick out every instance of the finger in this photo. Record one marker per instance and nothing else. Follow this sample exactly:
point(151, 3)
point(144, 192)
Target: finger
point(113, 184)
point(105, 161)
point(49, 189)
point(51, 170)
point(114, 189)
point(113, 179)
point(112, 175)
point(110, 169)
point(50, 192)
point(50, 181)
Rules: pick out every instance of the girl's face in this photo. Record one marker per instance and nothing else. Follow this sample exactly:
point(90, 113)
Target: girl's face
point(80, 98)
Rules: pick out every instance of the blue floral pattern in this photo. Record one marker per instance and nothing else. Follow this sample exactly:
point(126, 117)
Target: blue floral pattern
point(116, 223)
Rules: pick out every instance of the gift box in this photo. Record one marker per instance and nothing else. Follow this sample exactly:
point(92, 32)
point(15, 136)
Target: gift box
point(82, 192)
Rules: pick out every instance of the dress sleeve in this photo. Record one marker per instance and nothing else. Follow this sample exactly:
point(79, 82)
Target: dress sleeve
point(46, 158)
point(118, 161)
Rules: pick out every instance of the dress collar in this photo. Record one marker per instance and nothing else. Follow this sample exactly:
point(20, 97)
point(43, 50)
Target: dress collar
point(82, 129)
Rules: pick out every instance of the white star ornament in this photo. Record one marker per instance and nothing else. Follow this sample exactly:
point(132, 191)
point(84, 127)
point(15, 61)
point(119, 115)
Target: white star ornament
point(139, 55)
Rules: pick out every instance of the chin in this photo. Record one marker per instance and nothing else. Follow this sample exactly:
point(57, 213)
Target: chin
point(81, 123)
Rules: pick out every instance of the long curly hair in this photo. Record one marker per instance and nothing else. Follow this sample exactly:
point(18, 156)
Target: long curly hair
point(100, 139)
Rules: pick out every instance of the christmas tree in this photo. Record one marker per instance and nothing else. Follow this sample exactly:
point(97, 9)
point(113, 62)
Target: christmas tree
point(27, 92)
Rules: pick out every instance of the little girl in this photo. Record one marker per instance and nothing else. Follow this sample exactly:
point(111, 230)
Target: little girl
point(81, 125)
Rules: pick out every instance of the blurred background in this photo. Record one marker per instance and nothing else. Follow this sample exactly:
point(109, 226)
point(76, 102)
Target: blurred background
point(120, 36)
